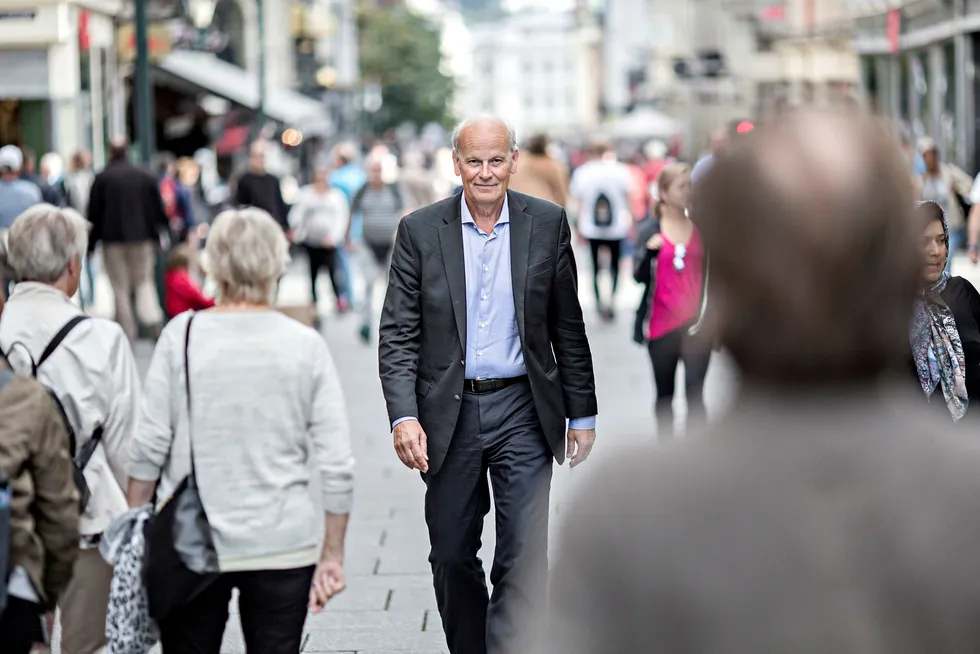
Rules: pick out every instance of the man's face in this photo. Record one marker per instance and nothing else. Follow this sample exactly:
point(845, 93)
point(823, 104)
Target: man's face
point(374, 173)
point(256, 158)
point(485, 162)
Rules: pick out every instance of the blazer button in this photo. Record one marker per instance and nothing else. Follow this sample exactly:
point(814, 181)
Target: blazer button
point(456, 397)
point(462, 363)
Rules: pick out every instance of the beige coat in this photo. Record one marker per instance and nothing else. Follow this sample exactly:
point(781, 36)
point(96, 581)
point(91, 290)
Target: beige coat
point(542, 177)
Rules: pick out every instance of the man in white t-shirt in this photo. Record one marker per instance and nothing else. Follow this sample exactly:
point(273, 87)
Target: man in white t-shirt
point(600, 189)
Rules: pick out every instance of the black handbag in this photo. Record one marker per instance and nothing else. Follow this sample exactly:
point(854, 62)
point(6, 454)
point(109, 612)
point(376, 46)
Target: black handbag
point(180, 560)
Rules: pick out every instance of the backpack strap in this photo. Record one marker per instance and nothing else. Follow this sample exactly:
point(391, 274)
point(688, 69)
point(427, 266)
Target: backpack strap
point(56, 341)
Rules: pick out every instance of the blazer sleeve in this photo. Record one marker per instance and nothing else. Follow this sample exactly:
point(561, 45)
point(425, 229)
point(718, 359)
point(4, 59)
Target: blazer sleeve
point(400, 329)
point(566, 329)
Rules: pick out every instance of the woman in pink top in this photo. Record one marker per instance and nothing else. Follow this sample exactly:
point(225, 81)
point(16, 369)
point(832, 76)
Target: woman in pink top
point(677, 258)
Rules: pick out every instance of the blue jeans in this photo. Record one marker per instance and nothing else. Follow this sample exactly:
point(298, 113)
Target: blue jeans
point(957, 239)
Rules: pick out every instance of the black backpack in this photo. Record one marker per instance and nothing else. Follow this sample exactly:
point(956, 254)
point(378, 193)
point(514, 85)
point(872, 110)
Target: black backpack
point(79, 458)
point(5, 496)
point(602, 213)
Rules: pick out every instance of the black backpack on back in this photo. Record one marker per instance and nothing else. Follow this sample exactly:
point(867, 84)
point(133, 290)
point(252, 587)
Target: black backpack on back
point(602, 212)
point(79, 458)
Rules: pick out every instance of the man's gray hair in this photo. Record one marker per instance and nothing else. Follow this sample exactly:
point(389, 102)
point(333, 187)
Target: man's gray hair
point(484, 118)
point(246, 254)
point(43, 240)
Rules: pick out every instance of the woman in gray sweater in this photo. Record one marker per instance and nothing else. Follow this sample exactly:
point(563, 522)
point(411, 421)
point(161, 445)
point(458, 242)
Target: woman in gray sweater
point(264, 389)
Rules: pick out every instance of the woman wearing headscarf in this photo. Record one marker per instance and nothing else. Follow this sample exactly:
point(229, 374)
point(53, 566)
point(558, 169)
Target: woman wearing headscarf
point(945, 335)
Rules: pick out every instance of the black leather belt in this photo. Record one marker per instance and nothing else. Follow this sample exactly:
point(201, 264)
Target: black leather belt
point(481, 386)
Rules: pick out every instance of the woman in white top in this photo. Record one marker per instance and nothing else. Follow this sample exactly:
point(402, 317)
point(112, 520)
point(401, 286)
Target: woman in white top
point(265, 398)
point(319, 221)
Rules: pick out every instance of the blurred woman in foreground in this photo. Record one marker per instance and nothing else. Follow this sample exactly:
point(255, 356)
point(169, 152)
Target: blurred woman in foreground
point(945, 335)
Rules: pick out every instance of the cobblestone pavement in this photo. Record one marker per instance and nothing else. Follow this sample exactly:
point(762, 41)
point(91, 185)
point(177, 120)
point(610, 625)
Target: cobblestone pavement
point(389, 605)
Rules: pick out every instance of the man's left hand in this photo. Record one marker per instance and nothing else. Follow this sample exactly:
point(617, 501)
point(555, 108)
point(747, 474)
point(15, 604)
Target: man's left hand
point(580, 442)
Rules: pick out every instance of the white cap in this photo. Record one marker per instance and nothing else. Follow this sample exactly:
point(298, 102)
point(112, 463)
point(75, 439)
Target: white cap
point(11, 157)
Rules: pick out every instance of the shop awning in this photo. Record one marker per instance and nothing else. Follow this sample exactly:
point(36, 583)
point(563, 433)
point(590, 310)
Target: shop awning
point(208, 74)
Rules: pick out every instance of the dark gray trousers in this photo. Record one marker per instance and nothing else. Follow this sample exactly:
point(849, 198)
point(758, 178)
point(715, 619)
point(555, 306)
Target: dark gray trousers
point(497, 432)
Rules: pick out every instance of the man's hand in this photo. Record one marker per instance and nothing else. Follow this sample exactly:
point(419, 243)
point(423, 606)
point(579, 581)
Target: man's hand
point(580, 442)
point(974, 254)
point(411, 445)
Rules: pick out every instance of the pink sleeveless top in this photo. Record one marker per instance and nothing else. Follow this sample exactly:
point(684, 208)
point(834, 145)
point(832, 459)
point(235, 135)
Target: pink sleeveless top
point(677, 293)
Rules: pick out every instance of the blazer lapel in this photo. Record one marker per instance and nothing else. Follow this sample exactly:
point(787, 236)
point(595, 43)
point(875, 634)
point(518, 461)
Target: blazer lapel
point(520, 248)
point(451, 240)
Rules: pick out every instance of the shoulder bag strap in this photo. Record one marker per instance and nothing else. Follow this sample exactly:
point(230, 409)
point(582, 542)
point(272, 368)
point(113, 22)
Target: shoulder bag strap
point(187, 387)
point(56, 341)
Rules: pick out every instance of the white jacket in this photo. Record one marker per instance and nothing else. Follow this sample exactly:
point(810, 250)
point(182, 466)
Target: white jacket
point(93, 373)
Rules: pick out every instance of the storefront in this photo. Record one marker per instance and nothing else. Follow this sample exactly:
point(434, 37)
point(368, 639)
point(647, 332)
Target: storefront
point(914, 69)
point(57, 92)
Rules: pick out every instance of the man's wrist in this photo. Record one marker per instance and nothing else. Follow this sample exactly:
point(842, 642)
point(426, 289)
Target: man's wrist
point(395, 423)
point(972, 247)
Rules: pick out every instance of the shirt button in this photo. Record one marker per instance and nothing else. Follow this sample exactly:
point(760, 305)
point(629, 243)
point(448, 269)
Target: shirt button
point(479, 353)
point(486, 268)
point(486, 297)
point(482, 325)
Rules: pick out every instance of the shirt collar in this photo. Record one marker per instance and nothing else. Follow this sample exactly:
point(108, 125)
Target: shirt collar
point(468, 217)
point(38, 290)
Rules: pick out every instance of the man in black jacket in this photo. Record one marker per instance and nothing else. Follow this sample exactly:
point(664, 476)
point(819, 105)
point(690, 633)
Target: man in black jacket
point(126, 212)
point(261, 189)
point(483, 357)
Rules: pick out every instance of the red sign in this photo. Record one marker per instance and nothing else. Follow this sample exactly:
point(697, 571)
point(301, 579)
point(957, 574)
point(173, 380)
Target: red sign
point(84, 39)
point(894, 29)
point(774, 13)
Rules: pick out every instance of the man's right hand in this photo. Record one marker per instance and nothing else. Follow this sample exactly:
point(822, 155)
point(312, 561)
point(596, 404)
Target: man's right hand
point(411, 445)
point(973, 252)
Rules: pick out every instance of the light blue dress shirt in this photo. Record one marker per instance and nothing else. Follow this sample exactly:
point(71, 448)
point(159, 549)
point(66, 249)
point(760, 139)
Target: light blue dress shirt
point(493, 342)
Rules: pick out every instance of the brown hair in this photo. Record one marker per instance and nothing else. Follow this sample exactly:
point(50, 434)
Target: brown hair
point(179, 259)
point(667, 177)
point(812, 236)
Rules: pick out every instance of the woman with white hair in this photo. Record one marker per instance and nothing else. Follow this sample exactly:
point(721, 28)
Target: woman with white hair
point(263, 389)
point(88, 364)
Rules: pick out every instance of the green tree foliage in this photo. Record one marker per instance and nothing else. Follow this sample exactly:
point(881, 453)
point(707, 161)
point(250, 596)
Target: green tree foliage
point(401, 50)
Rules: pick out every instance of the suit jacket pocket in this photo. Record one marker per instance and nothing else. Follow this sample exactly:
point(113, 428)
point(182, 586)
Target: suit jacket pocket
point(422, 387)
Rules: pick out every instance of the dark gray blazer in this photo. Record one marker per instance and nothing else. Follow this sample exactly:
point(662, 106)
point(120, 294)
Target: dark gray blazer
point(821, 525)
point(423, 323)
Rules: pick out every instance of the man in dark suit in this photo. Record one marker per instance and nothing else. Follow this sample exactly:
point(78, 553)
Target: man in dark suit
point(483, 356)
point(829, 512)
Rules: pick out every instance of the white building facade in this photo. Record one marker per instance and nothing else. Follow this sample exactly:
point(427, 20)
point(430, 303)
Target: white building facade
point(539, 71)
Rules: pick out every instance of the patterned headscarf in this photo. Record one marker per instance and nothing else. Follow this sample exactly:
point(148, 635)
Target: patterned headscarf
point(936, 346)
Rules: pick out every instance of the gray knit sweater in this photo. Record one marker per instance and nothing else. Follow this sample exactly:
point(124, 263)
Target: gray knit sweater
point(264, 390)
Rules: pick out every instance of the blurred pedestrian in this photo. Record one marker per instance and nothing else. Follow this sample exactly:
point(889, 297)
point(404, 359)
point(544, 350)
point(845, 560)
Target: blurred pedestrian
point(271, 381)
point(181, 291)
point(673, 267)
point(486, 278)
point(176, 201)
point(540, 174)
point(827, 475)
point(379, 208)
point(945, 184)
point(88, 365)
point(78, 185)
point(349, 177)
point(42, 525)
point(600, 188)
point(944, 334)
point(16, 196)
point(259, 188)
point(319, 222)
point(127, 216)
point(416, 181)
point(51, 171)
point(28, 173)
